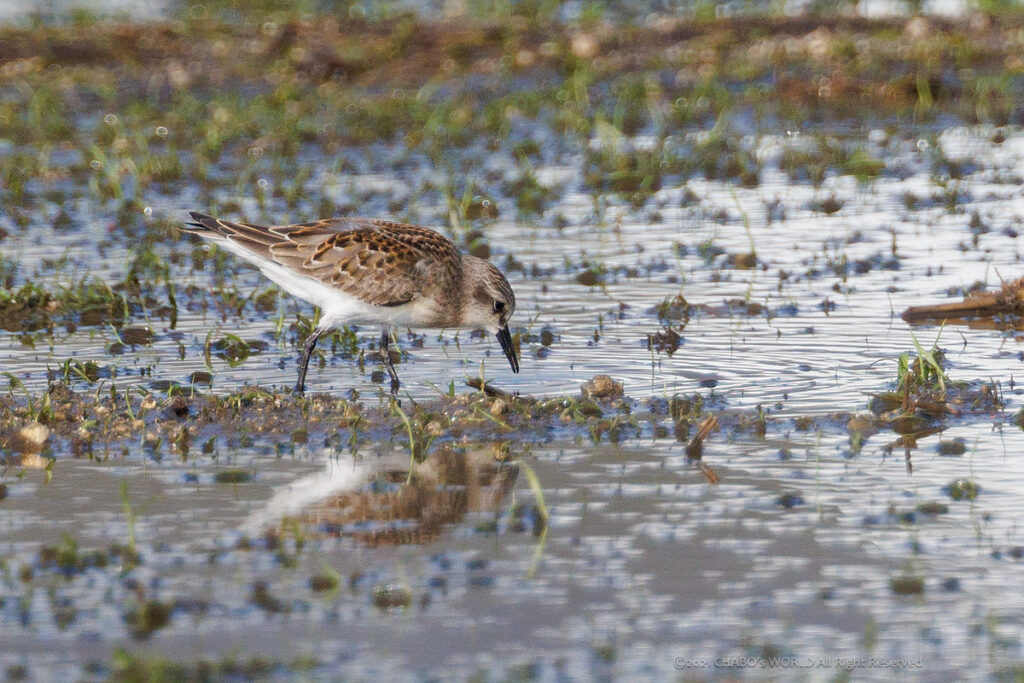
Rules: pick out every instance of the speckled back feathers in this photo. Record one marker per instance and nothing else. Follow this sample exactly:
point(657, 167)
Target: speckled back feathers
point(380, 262)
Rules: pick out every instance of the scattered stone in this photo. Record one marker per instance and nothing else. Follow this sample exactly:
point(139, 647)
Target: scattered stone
point(30, 438)
point(499, 407)
point(602, 387)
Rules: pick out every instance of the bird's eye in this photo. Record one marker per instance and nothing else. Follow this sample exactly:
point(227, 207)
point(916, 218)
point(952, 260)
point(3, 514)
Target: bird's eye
point(499, 306)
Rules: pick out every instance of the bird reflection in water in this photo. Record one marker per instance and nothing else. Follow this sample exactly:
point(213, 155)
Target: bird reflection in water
point(385, 504)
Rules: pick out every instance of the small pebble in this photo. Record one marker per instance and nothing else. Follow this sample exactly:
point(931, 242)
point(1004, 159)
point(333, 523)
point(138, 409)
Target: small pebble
point(602, 386)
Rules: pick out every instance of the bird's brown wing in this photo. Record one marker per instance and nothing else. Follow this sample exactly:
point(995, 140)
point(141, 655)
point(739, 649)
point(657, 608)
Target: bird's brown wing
point(380, 262)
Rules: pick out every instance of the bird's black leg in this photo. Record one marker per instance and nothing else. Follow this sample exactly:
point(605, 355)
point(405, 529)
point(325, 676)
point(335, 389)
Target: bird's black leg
point(307, 351)
point(385, 356)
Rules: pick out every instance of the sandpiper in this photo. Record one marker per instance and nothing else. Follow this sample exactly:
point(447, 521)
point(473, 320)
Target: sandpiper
point(368, 271)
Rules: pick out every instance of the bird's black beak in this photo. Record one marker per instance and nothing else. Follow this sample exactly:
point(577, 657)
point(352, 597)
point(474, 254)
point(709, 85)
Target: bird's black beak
point(505, 339)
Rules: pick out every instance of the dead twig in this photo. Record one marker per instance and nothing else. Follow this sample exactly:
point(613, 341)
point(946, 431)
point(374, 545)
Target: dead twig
point(1009, 300)
point(695, 449)
point(488, 389)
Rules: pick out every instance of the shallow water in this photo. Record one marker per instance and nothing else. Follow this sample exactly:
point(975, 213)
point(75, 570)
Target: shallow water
point(645, 570)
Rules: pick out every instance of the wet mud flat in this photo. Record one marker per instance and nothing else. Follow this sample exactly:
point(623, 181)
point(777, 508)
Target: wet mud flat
point(726, 456)
point(260, 534)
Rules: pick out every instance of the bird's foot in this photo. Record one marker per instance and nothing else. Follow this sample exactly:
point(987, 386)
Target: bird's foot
point(389, 365)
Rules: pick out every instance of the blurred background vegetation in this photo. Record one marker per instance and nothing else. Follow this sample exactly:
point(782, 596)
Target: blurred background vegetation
point(242, 107)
